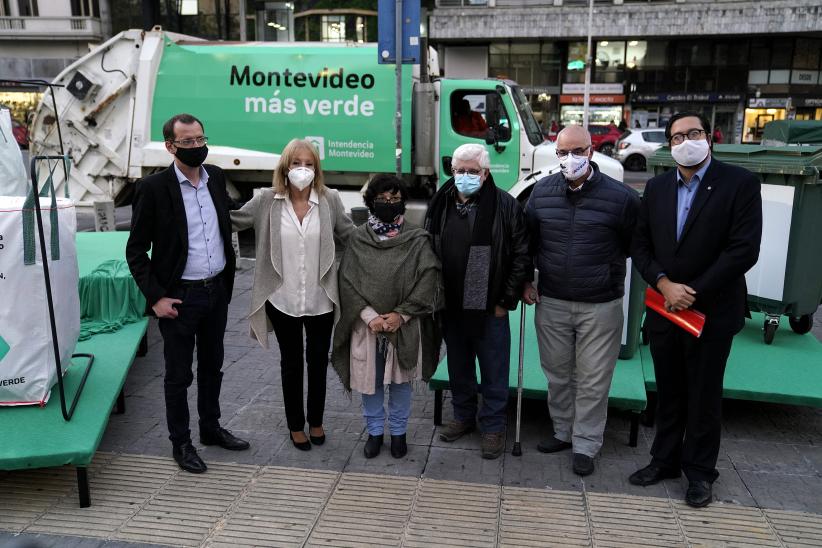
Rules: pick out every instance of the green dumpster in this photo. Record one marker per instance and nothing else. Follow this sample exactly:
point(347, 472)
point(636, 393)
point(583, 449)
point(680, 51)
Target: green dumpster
point(787, 279)
point(633, 308)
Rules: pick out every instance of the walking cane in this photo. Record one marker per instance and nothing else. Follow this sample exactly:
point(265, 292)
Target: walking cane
point(517, 451)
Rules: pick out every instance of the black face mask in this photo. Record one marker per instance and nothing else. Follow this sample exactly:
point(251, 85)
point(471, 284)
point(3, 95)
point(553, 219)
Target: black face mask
point(388, 212)
point(192, 157)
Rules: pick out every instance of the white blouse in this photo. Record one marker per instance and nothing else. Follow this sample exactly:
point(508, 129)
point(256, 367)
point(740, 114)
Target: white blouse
point(300, 293)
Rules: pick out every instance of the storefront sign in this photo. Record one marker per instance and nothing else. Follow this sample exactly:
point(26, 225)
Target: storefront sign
point(768, 102)
point(686, 97)
point(537, 90)
point(594, 99)
point(807, 77)
point(603, 89)
point(808, 102)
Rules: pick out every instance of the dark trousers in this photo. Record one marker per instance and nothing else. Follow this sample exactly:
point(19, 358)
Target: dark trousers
point(493, 351)
point(289, 331)
point(200, 321)
point(689, 376)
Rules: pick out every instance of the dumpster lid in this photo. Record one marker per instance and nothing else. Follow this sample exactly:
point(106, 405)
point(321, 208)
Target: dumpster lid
point(797, 132)
point(788, 160)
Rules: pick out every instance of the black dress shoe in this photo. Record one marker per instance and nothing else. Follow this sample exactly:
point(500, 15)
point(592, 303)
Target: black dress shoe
point(583, 465)
point(188, 459)
point(398, 446)
point(652, 474)
point(372, 446)
point(552, 445)
point(699, 494)
point(301, 445)
point(224, 439)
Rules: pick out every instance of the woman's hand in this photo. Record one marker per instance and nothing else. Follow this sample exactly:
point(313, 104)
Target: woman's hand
point(391, 321)
point(377, 324)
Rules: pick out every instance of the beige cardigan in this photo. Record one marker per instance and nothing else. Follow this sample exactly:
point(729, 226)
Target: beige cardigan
point(263, 213)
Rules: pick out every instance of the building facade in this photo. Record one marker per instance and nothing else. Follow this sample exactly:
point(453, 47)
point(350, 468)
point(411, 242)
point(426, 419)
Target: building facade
point(742, 63)
point(39, 38)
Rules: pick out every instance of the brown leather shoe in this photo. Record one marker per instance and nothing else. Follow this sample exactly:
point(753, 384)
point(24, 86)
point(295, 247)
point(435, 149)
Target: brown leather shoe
point(454, 430)
point(492, 444)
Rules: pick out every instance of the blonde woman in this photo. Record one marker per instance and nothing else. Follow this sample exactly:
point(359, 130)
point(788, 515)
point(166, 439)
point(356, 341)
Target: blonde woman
point(296, 224)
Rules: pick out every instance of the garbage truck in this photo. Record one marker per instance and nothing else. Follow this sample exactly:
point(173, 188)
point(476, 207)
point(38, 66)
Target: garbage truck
point(253, 97)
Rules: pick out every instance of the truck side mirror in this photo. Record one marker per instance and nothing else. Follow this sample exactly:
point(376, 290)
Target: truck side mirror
point(492, 138)
point(492, 107)
point(446, 165)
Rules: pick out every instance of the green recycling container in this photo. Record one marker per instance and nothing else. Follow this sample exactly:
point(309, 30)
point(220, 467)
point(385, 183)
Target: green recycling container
point(787, 279)
point(633, 308)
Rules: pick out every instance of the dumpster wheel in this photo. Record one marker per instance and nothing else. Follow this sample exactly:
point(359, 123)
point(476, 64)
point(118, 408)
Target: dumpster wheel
point(802, 324)
point(770, 326)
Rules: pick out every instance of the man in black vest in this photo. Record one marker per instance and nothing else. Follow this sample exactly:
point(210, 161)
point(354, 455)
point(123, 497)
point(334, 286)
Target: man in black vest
point(698, 233)
point(181, 214)
point(580, 222)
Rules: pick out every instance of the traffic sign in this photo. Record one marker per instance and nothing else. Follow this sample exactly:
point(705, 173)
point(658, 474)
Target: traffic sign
point(387, 31)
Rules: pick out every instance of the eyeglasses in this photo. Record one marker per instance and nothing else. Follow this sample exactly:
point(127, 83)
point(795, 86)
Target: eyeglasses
point(199, 141)
point(691, 134)
point(575, 151)
point(460, 171)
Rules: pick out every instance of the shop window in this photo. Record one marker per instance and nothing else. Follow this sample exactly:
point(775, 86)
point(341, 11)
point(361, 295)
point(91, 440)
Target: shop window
point(610, 62)
point(532, 65)
point(577, 54)
point(333, 28)
point(635, 54)
point(807, 54)
point(602, 115)
point(760, 55)
point(755, 120)
point(781, 53)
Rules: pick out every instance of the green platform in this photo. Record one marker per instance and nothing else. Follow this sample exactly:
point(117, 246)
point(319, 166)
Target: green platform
point(627, 388)
point(35, 437)
point(787, 371)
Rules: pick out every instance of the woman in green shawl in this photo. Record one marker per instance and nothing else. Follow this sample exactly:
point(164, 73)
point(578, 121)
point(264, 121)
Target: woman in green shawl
point(389, 283)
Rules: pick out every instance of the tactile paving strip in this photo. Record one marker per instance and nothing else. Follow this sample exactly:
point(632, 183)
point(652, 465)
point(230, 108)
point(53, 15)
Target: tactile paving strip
point(279, 508)
point(725, 525)
point(531, 517)
point(365, 510)
point(621, 521)
point(796, 528)
point(450, 513)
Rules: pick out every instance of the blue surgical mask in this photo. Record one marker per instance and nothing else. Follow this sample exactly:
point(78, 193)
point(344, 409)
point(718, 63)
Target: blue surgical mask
point(467, 184)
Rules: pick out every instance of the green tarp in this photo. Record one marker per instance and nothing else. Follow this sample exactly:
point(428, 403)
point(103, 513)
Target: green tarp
point(792, 132)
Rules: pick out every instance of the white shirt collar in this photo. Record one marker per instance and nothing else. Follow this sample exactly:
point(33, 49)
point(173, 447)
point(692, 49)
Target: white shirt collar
point(181, 178)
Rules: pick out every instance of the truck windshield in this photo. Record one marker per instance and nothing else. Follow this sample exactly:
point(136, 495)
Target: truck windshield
point(530, 123)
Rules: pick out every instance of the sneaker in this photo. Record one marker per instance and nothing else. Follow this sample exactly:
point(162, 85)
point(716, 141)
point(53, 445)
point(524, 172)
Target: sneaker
point(583, 465)
point(454, 430)
point(492, 444)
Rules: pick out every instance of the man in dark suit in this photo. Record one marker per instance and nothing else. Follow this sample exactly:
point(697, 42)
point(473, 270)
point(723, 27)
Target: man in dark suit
point(181, 214)
point(697, 234)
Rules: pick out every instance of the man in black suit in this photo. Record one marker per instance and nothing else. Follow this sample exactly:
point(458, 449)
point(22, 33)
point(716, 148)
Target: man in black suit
point(697, 234)
point(181, 214)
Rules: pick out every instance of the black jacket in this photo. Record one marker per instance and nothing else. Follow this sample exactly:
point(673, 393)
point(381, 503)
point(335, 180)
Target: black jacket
point(510, 264)
point(718, 245)
point(581, 239)
point(158, 222)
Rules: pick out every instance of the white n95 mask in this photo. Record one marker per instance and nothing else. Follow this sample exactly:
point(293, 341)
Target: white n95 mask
point(301, 177)
point(690, 152)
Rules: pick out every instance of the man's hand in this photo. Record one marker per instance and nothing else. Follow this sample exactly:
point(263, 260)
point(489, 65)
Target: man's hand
point(391, 321)
point(500, 312)
point(529, 294)
point(164, 308)
point(677, 296)
point(377, 324)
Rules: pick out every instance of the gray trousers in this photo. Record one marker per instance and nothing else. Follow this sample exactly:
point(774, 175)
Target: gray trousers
point(578, 348)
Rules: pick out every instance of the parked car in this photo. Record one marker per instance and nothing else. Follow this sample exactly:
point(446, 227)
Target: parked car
point(604, 138)
point(21, 134)
point(635, 146)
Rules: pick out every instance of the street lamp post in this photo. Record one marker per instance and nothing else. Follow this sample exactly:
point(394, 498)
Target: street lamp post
point(586, 98)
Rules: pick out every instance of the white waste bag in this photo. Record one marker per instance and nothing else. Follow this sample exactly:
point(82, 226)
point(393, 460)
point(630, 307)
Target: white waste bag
point(13, 180)
point(27, 367)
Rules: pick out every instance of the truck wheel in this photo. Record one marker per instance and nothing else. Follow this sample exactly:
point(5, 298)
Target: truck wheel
point(769, 331)
point(607, 149)
point(802, 324)
point(635, 162)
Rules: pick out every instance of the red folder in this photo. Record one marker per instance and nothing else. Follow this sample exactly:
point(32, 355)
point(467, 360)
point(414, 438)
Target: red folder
point(689, 320)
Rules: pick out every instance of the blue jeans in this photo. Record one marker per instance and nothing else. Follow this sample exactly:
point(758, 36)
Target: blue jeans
point(399, 404)
point(493, 351)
